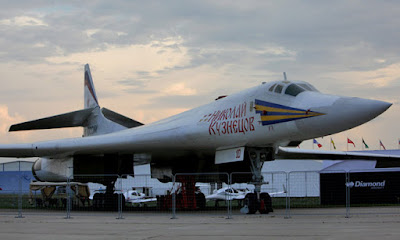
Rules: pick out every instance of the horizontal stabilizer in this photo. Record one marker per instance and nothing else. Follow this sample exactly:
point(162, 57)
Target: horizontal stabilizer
point(71, 119)
point(120, 119)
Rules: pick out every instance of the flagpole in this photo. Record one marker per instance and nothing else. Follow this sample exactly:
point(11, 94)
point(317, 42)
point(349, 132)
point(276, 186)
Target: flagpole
point(362, 144)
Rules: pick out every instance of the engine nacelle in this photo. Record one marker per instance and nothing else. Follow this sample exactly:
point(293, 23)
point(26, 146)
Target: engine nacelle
point(53, 170)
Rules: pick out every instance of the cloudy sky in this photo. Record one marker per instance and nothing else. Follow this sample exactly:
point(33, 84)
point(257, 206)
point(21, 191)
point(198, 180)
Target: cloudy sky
point(153, 59)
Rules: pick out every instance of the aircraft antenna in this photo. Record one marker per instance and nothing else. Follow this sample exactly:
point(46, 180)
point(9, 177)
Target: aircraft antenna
point(284, 76)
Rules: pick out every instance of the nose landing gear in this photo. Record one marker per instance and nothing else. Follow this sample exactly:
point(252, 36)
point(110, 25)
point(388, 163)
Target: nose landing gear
point(258, 201)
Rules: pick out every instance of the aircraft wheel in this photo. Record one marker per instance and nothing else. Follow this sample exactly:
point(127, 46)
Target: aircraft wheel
point(265, 203)
point(102, 201)
point(106, 201)
point(251, 202)
point(114, 202)
point(96, 201)
point(200, 200)
point(160, 202)
point(240, 203)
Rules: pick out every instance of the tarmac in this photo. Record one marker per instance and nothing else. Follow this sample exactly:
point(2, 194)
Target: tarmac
point(301, 225)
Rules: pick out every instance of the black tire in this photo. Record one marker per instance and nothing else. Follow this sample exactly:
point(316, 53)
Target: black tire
point(160, 202)
point(265, 203)
point(96, 201)
point(102, 201)
point(240, 203)
point(200, 201)
point(113, 205)
point(251, 202)
point(107, 201)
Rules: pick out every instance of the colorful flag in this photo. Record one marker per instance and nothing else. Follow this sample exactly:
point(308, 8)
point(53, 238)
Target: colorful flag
point(365, 145)
point(318, 144)
point(333, 143)
point(351, 142)
point(380, 142)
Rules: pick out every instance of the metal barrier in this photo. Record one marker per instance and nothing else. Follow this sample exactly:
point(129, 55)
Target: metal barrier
point(310, 190)
point(81, 199)
point(274, 190)
point(9, 201)
point(199, 192)
point(294, 193)
point(144, 194)
point(372, 188)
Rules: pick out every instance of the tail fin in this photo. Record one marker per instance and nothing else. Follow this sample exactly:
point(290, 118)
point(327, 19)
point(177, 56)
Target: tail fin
point(89, 92)
point(96, 123)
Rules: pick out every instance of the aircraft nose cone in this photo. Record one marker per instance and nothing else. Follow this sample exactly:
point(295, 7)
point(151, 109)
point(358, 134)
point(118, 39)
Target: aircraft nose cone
point(340, 114)
point(356, 111)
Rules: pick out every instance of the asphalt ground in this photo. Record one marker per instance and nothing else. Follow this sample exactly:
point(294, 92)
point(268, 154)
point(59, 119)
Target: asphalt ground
point(373, 224)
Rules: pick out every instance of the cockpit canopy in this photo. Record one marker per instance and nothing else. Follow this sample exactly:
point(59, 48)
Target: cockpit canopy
point(290, 88)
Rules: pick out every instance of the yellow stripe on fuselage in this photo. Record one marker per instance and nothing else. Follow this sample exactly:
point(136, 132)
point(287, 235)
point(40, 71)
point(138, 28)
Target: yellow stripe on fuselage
point(272, 109)
point(281, 117)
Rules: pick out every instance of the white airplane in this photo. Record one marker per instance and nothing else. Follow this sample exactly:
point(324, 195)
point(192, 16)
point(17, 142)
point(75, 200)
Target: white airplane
point(134, 197)
point(227, 194)
point(232, 134)
point(230, 194)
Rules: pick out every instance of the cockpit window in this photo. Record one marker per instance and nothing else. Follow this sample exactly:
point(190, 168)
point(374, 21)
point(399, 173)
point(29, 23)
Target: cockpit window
point(308, 87)
point(305, 86)
point(272, 87)
point(293, 90)
point(278, 88)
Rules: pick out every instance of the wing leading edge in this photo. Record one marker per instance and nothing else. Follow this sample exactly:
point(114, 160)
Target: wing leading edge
point(304, 154)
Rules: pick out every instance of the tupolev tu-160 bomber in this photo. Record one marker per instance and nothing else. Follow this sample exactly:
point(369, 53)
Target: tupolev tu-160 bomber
point(234, 133)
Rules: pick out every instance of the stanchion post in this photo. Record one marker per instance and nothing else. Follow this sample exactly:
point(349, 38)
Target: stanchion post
point(19, 198)
point(174, 197)
point(229, 200)
point(120, 196)
point(68, 191)
point(287, 215)
point(347, 174)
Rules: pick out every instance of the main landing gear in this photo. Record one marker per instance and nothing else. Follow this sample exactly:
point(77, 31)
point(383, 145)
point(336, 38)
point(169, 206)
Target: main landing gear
point(107, 200)
point(258, 201)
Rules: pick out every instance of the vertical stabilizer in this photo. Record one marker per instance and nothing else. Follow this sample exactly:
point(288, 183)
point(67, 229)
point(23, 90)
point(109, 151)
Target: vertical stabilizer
point(96, 123)
point(89, 92)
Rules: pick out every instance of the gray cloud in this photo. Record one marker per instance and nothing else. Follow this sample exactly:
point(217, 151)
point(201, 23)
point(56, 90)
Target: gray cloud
point(138, 85)
point(311, 38)
point(339, 34)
